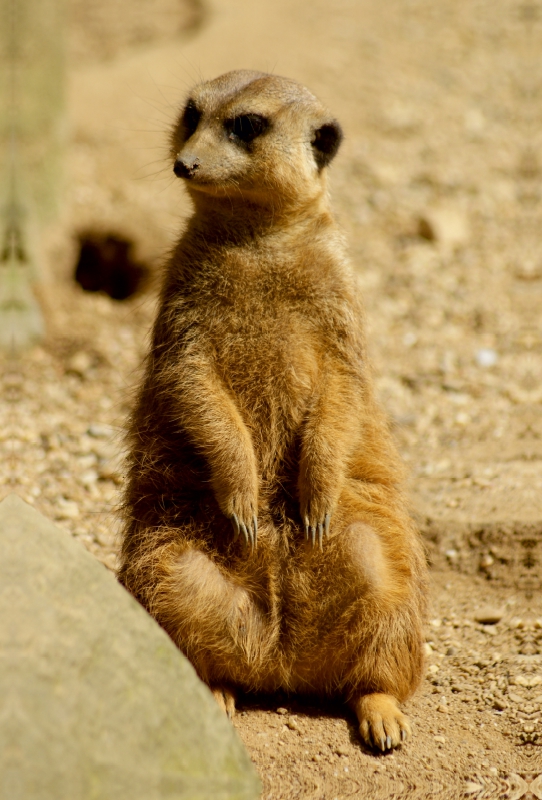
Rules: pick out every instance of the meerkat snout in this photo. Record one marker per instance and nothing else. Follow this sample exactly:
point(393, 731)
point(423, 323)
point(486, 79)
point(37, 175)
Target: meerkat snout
point(186, 167)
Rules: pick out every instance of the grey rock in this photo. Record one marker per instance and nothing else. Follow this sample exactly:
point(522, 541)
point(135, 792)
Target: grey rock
point(96, 701)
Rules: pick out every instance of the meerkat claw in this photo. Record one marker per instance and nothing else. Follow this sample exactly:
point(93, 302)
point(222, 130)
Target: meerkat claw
point(255, 520)
point(313, 535)
point(383, 744)
point(235, 522)
point(403, 734)
point(327, 520)
point(388, 742)
point(245, 532)
point(320, 535)
point(251, 536)
point(306, 529)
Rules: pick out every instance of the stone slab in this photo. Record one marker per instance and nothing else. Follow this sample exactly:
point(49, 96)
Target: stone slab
point(96, 701)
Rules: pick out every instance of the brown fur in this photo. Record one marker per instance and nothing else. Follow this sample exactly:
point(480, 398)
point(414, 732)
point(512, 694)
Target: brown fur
point(257, 402)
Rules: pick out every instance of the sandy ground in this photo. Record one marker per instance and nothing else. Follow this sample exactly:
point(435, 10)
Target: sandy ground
point(437, 188)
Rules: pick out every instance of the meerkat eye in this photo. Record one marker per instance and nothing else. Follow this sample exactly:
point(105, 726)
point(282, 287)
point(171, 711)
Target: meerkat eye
point(191, 118)
point(326, 142)
point(246, 127)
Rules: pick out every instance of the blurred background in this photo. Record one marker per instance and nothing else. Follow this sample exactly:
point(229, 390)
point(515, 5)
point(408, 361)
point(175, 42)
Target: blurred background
point(437, 186)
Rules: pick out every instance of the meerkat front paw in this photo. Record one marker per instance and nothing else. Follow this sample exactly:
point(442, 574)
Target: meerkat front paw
point(248, 526)
point(316, 524)
point(316, 513)
point(318, 501)
point(381, 724)
point(241, 508)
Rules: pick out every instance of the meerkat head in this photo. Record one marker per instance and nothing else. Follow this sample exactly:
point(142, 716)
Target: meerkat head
point(256, 137)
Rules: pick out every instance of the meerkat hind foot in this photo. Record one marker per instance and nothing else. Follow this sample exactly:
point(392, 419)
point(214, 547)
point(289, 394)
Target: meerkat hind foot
point(225, 699)
point(381, 724)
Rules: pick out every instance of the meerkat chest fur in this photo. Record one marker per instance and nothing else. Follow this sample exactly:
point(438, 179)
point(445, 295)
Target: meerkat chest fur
point(269, 312)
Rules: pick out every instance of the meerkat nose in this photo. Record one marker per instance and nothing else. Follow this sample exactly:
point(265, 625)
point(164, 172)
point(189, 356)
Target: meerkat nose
point(185, 167)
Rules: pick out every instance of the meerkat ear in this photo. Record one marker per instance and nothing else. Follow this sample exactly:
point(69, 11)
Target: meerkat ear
point(325, 143)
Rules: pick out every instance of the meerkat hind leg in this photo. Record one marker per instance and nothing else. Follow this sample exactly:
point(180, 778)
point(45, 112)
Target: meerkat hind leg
point(225, 699)
point(381, 724)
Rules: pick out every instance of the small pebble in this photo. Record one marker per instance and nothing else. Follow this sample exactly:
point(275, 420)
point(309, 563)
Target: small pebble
point(111, 468)
point(66, 509)
point(282, 710)
point(89, 477)
point(447, 226)
point(489, 615)
point(440, 739)
point(520, 680)
point(486, 357)
point(100, 431)
point(341, 750)
point(79, 363)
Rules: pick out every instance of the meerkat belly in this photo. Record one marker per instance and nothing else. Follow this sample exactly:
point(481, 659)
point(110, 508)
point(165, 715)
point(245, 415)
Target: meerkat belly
point(272, 372)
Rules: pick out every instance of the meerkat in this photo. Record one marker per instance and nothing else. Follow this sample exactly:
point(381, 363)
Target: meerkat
point(266, 529)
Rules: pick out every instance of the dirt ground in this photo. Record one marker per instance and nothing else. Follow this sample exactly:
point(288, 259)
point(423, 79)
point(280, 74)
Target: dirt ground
point(438, 189)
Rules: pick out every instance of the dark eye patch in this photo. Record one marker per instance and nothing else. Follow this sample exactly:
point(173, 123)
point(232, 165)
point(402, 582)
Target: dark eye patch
point(246, 127)
point(191, 118)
